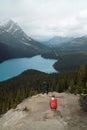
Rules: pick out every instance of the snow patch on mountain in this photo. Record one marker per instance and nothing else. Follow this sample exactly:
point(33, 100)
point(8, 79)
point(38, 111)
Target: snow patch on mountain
point(11, 26)
point(14, 29)
point(27, 44)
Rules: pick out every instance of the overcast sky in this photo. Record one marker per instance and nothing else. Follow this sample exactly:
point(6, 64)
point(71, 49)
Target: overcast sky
point(47, 18)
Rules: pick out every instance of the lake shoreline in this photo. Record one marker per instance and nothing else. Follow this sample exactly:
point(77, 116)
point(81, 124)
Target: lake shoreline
point(13, 67)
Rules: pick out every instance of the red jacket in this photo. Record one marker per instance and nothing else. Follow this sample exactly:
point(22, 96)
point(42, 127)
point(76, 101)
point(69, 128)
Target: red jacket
point(53, 103)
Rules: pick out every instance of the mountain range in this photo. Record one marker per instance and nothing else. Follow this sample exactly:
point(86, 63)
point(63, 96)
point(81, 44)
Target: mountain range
point(79, 43)
point(67, 43)
point(57, 40)
point(14, 42)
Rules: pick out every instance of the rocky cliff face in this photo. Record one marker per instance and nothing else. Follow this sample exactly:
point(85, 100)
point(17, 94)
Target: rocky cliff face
point(34, 114)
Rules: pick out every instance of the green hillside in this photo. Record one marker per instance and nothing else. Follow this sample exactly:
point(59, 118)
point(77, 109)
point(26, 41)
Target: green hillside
point(67, 60)
point(71, 60)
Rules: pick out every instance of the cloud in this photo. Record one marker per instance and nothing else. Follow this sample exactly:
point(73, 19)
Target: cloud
point(78, 24)
point(40, 18)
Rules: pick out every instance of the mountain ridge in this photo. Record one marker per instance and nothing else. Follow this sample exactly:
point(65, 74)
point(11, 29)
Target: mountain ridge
point(57, 40)
point(68, 43)
point(13, 36)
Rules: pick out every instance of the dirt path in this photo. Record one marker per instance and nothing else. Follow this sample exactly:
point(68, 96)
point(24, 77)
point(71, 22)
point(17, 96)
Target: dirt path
point(68, 115)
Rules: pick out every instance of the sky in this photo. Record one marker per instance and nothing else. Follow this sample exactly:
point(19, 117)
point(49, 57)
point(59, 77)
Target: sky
point(47, 18)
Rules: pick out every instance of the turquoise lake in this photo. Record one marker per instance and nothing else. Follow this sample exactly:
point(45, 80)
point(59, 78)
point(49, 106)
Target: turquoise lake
point(13, 67)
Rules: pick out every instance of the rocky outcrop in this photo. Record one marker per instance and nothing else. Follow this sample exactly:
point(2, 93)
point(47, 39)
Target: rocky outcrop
point(35, 114)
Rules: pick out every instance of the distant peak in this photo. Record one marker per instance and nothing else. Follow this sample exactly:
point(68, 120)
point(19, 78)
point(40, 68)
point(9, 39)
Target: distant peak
point(14, 29)
point(3, 22)
point(11, 22)
point(11, 26)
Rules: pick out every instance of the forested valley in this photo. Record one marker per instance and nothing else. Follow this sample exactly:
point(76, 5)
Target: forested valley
point(30, 82)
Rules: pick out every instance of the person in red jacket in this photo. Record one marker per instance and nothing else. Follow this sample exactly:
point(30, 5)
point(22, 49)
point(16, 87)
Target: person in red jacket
point(53, 102)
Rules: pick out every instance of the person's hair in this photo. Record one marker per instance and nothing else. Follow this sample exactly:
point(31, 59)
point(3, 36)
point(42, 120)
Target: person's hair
point(53, 95)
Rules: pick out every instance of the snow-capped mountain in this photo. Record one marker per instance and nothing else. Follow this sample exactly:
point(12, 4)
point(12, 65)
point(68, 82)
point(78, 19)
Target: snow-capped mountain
point(15, 38)
point(15, 30)
point(11, 26)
